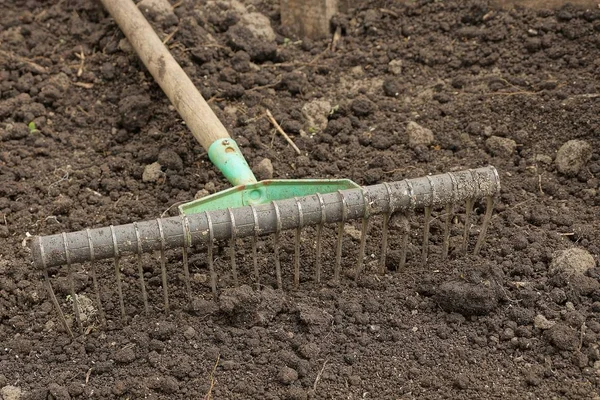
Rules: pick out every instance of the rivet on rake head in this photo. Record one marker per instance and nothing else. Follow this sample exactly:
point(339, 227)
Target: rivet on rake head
point(118, 271)
point(232, 246)
point(71, 283)
point(297, 243)
point(94, 276)
point(141, 268)
point(187, 244)
point(276, 245)
point(254, 245)
point(340, 236)
point(320, 238)
point(163, 265)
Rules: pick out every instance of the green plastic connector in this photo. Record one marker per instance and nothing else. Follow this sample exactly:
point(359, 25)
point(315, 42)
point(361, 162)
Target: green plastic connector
point(227, 157)
point(265, 192)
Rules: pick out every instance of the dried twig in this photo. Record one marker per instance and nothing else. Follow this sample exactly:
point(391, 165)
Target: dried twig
point(319, 376)
point(170, 36)
point(282, 132)
point(212, 379)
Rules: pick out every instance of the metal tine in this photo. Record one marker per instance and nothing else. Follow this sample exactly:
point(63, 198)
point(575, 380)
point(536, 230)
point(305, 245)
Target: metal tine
point(72, 284)
point(320, 238)
point(185, 223)
point(426, 224)
point(141, 269)
point(95, 278)
point(405, 226)
point(163, 266)
point(297, 244)
point(61, 315)
point(363, 236)
point(449, 215)
point(232, 247)
point(340, 236)
point(489, 206)
point(118, 272)
point(468, 210)
point(209, 255)
point(276, 246)
point(385, 230)
point(254, 246)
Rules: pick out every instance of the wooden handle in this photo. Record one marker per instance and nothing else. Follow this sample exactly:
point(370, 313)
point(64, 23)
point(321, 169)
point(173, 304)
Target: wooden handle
point(178, 87)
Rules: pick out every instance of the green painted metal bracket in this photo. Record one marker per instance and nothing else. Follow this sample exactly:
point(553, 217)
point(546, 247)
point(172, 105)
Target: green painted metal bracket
point(265, 192)
point(227, 156)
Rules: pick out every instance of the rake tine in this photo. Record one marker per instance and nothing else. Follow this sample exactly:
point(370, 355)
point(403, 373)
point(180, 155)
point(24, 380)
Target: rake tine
point(469, 209)
point(297, 244)
point(56, 305)
point(446, 245)
point(340, 236)
point(232, 247)
point(320, 238)
point(72, 284)
point(118, 272)
point(276, 246)
point(363, 236)
point(385, 230)
point(404, 241)
point(211, 267)
point(254, 245)
point(163, 266)
point(185, 223)
point(489, 205)
point(427, 222)
point(95, 278)
point(141, 269)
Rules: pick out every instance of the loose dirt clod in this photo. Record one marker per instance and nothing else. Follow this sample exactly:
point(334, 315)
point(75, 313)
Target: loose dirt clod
point(418, 135)
point(152, 172)
point(10, 393)
point(572, 156)
point(572, 261)
point(542, 323)
point(466, 298)
point(501, 146)
point(563, 337)
point(264, 169)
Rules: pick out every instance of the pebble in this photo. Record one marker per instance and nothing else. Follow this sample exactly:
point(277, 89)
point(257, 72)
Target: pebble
point(152, 172)
point(189, 333)
point(418, 135)
point(316, 112)
point(572, 156)
point(288, 375)
point(352, 231)
point(500, 146)
point(572, 261)
point(540, 322)
point(395, 67)
point(264, 169)
point(10, 393)
point(201, 193)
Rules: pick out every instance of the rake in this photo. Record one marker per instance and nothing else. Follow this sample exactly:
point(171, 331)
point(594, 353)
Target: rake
point(252, 209)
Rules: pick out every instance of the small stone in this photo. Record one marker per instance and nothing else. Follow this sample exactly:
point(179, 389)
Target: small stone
point(572, 156)
point(418, 135)
point(395, 67)
point(170, 160)
point(264, 169)
point(201, 193)
point(573, 261)
point(189, 333)
point(210, 186)
point(158, 10)
point(316, 112)
point(152, 172)
point(10, 393)
point(125, 355)
point(540, 322)
point(288, 375)
point(352, 231)
point(500, 146)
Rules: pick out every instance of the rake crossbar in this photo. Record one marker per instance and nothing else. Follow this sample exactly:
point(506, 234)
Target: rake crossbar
point(314, 210)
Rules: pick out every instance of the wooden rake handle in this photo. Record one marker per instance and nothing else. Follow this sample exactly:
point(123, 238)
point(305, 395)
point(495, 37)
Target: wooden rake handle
point(178, 87)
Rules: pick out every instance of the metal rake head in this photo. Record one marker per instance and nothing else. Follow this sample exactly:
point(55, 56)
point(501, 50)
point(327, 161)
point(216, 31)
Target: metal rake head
point(399, 199)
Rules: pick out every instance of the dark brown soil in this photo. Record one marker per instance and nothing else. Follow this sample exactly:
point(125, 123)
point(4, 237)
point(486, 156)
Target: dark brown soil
point(467, 328)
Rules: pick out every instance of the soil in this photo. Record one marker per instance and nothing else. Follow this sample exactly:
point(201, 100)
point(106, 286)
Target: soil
point(81, 119)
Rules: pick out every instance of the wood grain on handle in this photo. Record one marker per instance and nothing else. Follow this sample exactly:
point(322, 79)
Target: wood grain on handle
point(178, 87)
